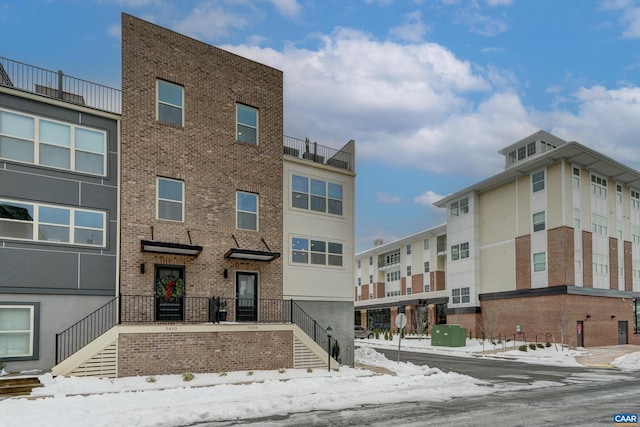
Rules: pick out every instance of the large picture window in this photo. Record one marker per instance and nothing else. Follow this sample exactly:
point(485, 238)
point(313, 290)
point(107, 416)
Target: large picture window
point(18, 330)
point(246, 124)
point(247, 210)
point(50, 223)
point(170, 103)
point(316, 252)
point(316, 195)
point(51, 143)
point(170, 199)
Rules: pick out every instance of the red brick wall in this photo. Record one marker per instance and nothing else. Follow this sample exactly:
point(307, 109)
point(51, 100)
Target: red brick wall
point(417, 283)
point(176, 353)
point(545, 314)
point(561, 256)
point(403, 286)
point(204, 154)
point(523, 262)
point(365, 292)
point(437, 280)
point(379, 289)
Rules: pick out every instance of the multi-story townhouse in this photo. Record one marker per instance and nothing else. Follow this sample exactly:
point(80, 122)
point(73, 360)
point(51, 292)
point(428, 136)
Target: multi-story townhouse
point(549, 248)
point(58, 207)
point(406, 275)
point(204, 253)
point(318, 234)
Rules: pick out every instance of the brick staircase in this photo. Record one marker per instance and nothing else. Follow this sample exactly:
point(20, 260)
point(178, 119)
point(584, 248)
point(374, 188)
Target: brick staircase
point(17, 386)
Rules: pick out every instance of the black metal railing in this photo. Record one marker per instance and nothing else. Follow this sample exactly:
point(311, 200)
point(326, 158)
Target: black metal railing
point(86, 330)
point(304, 149)
point(295, 314)
point(55, 84)
point(154, 309)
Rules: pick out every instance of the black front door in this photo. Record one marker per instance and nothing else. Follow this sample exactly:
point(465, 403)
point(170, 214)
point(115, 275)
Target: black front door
point(622, 332)
point(247, 297)
point(169, 298)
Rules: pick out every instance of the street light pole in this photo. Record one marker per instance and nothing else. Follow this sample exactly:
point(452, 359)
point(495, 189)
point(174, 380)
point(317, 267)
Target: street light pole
point(329, 330)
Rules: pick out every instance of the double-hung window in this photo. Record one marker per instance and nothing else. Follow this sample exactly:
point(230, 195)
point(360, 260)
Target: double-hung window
point(537, 181)
point(170, 199)
point(18, 330)
point(538, 221)
point(426, 266)
point(170, 103)
point(246, 124)
point(539, 261)
point(455, 296)
point(247, 210)
point(598, 186)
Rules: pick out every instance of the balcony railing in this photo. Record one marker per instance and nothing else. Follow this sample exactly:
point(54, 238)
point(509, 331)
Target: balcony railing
point(314, 152)
point(57, 85)
point(150, 308)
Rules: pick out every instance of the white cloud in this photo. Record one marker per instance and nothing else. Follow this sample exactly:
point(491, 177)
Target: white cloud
point(209, 22)
point(483, 24)
point(388, 199)
point(630, 19)
point(493, 3)
point(413, 28)
point(427, 199)
point(115, 30)
point(287, 8)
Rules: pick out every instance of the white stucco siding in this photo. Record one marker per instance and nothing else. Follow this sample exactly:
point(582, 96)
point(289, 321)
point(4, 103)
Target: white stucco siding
point(308, 281)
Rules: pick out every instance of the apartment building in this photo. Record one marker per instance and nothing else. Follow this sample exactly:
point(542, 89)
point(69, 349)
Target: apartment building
point(59, 143)
point(548, 248)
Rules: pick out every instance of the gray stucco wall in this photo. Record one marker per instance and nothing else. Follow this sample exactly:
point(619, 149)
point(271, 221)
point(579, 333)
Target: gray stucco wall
point(340, 316)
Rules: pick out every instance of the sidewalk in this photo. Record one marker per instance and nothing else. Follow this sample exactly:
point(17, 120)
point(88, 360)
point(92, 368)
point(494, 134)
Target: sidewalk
point(601, 357)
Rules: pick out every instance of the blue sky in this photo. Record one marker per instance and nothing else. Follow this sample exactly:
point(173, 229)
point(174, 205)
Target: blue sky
point(429, 89)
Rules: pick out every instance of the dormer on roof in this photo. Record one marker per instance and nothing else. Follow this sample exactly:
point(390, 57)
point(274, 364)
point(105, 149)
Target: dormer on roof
point(533, 145)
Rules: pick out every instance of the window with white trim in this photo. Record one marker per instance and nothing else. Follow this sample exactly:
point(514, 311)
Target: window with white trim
point(460, 251)
point(619, 229)
point(426, 287)
point(316, 195)
point(246, 211)
point(370, 260)
point(636, 269)
point(621, 266)
point(246, 124)
point(598, 186)
point(577, 258)
point(393, 276)
point(317, 252)
point(170, 197)
point(408, 291)
point(51, 223)
point(600, 264)
point(531, 149)
point(51, 143)
point(577, 219)
point(635, 234)
point(576, 178)
point(537, 181)
point(635, 199)
point(619, 194)
point(170, 107)
point(359, 263)
point(426, 244)
point(459, 207)
point(538, 221)
point(371, 279)
point(408, 249)
point(18, 326)
point(359, 281)
point(460, 295)
point(539, 261)
point(426, 266)
point(408, 271)
point(599, 224)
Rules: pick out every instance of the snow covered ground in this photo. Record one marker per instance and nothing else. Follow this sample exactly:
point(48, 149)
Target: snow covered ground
point(169, 400)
